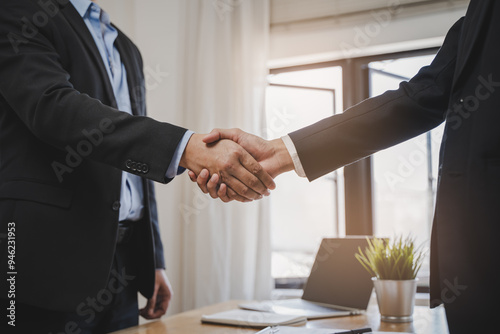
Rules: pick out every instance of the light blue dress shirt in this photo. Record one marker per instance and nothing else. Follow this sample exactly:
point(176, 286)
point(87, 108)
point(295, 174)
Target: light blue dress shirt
point(104, 34)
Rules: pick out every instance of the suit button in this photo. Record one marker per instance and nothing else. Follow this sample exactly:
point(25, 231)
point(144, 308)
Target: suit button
point(116, 205)
point(128, 163)
point(145, 168)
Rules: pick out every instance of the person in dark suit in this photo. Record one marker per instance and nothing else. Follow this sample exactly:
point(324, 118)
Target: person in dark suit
point(79, 232)
point(461, 88)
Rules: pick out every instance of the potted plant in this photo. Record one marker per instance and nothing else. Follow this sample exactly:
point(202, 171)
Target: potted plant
point(394, 267)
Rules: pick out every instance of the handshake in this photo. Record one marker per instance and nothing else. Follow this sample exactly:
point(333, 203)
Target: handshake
point(235, 165)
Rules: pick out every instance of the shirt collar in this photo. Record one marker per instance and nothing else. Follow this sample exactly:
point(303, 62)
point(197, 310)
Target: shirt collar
point(81, 6)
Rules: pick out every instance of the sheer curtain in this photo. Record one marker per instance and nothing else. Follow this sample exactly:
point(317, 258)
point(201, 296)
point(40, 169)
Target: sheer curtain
point(225, 249)
point(205, 66)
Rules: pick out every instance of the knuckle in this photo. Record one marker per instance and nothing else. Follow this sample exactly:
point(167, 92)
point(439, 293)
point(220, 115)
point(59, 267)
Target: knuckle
point(244, 190)
point(257, 169)
point(254, 184)
point(227, 165)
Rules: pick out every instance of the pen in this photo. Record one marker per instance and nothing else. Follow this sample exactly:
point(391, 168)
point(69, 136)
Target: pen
point(356, 331)
point(270, 330)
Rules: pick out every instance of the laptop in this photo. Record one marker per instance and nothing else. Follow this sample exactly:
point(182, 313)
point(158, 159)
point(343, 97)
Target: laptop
point(338, 285)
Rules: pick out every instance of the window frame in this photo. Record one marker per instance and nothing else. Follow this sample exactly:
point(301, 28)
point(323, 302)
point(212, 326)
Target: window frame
point(358, 177)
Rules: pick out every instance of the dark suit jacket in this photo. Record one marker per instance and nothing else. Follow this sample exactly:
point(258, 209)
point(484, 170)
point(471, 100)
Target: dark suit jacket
point(63, 147)
point(462, 88)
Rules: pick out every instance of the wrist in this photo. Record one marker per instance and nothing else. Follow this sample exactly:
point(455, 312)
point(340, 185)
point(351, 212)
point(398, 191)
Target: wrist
point(281, 153)
point(188, 157)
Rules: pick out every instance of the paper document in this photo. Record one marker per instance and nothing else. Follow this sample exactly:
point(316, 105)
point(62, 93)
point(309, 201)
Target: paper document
point(246, 318)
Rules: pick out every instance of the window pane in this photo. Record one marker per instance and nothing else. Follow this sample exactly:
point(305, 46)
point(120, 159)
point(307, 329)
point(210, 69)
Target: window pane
point(404, 175)
point(302, 212)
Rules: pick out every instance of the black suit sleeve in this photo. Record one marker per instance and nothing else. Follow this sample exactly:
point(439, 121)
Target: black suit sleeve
point(36, 86)
point(383, 121)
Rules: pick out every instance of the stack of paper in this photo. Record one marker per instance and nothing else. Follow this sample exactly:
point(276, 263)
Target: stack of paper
point(255, 319)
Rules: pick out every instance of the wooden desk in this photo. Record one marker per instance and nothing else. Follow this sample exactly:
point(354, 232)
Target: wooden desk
point(426, 321)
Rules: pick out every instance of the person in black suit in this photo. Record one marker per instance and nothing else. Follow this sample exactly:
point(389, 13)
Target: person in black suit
point(461, 88)
point(79, 231)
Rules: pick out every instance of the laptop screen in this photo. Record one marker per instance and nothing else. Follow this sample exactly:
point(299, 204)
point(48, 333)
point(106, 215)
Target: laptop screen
point(337, 278)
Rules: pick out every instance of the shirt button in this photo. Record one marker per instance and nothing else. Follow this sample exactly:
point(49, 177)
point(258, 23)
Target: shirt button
point(116, 205)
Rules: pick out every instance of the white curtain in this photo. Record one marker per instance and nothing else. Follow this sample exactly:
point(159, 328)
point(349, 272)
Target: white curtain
point(224, 249)
point(205, 66)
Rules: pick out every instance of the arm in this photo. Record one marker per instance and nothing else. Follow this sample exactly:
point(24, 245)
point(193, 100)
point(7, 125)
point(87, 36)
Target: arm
point(383, 121)
point(39, 91)
point(374, 124)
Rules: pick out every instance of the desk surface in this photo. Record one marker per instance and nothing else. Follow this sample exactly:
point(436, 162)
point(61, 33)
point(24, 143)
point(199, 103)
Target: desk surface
point(425, 321)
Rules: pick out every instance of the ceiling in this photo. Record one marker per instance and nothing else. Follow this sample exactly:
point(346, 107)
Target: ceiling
point(288, 11)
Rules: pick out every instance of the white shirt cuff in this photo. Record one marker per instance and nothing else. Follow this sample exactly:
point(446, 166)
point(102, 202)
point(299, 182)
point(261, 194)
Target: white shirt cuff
point(295, 157)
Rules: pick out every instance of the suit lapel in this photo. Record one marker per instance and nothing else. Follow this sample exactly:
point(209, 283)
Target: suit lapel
point(134, 81)
point(82, 30)
point(475, 21)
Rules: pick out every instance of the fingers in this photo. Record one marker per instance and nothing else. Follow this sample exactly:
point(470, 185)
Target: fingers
point(259, 181)
point(157, 305)
point(256, 169)
point(231, 195)
point(218, 134)
point(213, 185)
point(214, 189)
point(148, 311)
point(192, 175)
point(202, 180)
point(242, 182)
point(210, 186)
point(222, 193)
point(226, 162)
point(161, 306)
point(212, 137)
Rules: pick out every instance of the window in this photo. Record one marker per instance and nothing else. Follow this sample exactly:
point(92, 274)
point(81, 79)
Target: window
point(390, 193)
point(303, 213)
point(404, 176)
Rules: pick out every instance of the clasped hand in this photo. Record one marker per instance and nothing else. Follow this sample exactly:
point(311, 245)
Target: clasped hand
point(235, 165)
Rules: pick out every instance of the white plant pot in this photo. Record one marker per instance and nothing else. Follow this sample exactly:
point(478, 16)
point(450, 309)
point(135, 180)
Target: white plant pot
point(396, 299)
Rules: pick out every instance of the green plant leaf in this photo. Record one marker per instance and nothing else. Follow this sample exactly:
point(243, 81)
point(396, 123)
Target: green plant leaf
point(399, 260)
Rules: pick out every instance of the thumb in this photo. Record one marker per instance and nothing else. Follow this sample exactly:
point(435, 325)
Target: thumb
point(218, 134)
point(148, 310)
point(212, 137)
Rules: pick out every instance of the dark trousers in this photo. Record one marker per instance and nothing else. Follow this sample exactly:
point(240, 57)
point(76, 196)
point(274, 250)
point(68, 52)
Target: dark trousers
point(114, 307)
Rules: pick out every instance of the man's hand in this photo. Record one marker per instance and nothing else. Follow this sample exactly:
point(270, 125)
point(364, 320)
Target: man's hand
point(244, 178)
point(158, 304)
point(272, 155)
